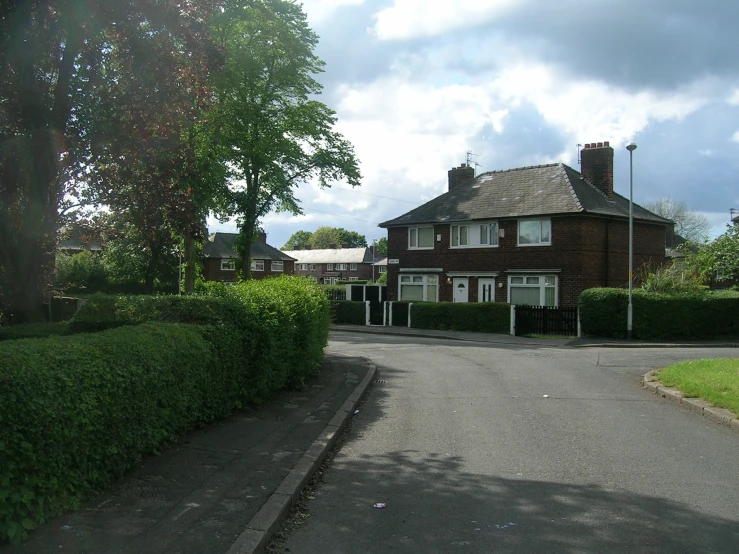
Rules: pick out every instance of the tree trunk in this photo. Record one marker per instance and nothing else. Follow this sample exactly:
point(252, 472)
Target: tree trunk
point(189, 264)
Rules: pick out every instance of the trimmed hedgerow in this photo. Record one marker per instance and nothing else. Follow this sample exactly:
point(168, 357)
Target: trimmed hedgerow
point(483, 317)
point(33, 330)
point(346, 311)
point(657, 316)
point(77, 411)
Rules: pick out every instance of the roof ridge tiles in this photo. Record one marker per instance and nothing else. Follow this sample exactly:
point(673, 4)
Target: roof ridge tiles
point(518, 168)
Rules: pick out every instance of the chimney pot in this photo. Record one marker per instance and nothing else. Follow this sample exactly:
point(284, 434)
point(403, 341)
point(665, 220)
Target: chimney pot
point(606, 143)
point(600, 145)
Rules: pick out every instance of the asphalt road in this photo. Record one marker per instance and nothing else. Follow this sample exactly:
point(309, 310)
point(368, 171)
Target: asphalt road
point(501, 448)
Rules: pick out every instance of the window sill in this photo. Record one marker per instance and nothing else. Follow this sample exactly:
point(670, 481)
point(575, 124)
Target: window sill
point(473, 246)
point(420, 248)
point(540, 244)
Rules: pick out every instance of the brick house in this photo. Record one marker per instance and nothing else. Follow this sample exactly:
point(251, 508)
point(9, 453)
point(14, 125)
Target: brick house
point(534, 235)
point(335, 264)
point(219, 258)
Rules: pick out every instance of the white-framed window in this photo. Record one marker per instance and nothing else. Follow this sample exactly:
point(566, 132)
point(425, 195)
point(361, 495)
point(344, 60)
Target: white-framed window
point(329, 267)
point(419, 288)
point(312, 267)
point(330, 280)
point(352, 267)
point(474, 235)
point(228, 264)
point(340, 267)
point(460, 235)
point(533, 290)
point(534, 232)
point(277, 265)
point(354, 278)
point(489, 234)
point(382, 269)
point(257, 265)
point(420, 237)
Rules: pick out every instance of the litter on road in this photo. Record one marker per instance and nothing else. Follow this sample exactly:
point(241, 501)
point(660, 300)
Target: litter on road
point(380, 505)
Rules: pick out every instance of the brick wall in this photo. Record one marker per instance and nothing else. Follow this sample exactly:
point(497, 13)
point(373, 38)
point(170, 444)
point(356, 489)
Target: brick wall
point(587, 251)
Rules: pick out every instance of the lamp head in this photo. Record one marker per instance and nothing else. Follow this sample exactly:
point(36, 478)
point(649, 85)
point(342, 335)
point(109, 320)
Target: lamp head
point(631, 147)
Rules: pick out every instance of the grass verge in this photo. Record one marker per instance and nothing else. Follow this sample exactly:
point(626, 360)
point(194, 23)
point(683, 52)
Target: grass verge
point(714, 380)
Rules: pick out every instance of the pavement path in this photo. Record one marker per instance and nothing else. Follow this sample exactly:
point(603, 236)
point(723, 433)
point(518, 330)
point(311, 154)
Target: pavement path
point(485, 447)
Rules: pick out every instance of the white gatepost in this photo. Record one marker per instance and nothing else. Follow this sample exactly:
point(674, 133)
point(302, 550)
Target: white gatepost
point(409, 314)
point(513, 320)
point(367, 311)
point(390, 309)
point(579, 327)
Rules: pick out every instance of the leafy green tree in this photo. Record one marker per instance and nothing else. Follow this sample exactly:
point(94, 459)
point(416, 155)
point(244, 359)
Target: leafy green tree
point(57, 61)
point(299, 240)
point(325, 237)
point(83, 271)
point(718, 259)
point(351, 238)
point(274, 135)
point(382, 246)
point(688, 224)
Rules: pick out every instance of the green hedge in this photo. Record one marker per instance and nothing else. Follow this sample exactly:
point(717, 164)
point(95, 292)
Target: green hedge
point(77, 411)
point(346, 311)
point(33, 330)
point(656, 316)
point(483, 317)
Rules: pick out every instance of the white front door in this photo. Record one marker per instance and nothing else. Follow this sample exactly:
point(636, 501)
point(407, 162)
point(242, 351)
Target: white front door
point(461, 289)
point(486, 290)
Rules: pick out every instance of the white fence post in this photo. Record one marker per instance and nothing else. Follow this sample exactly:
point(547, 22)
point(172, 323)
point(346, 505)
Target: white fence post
point(513, 320)
point(409, 314)
point(390, 315)
point(367, 311)
point(579, 326)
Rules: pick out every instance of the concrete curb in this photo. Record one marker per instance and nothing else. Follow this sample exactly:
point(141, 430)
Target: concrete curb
point(657, 345)
point(261, 528)
point(706, 409)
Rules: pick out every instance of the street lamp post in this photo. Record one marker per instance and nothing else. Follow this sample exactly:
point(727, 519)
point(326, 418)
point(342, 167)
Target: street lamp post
point(630, 311)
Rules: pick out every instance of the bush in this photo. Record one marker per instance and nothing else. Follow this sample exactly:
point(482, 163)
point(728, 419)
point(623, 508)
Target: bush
point(33, 330)
point(357, 282)
point(82, 271)
point(670, 279)
point(77, 411)
point(688, 315)
point(334, 292)
point(346, 311)
point(483, 317)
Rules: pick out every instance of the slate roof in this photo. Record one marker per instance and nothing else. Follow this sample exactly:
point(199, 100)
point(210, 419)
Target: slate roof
point(528, 191)
point(222, 245)
point(332, 256)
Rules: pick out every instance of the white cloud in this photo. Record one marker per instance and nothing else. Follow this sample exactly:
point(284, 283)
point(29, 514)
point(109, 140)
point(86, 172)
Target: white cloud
point(407, 19)
point(735, 137)
point(734, 98)
point(592, 110)
point(320, 10)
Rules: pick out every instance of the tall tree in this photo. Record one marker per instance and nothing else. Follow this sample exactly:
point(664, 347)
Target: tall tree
point(325, 237)
point(688, 224)
point(299, 240)
point(54, 60)
point(351, 238)
point(275, 135)
point(382, 246)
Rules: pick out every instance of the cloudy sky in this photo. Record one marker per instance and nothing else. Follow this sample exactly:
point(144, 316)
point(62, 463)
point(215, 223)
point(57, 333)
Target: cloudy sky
point(418, 83)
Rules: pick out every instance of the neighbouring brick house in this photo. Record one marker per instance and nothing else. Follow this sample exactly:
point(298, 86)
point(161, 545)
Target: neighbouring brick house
point(334, 264)
point(534, 235)
point(219, 258)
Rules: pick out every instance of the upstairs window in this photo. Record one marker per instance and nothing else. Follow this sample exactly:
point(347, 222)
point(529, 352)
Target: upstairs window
point(329, 267)
point(228, 264)
point(534, 232)
point(420, 237)
point(341, 267)
point(460, 235)
point(352, 267)
point(489, 234)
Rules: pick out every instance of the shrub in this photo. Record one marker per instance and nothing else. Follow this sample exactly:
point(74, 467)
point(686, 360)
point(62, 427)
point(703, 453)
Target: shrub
point(346, 311)
point(82, 271)
point(33, 330)
point(670, 279)
point(334, 292)
point(687, 315)
point(77, 411)
point(483, 317)
point(357, 282)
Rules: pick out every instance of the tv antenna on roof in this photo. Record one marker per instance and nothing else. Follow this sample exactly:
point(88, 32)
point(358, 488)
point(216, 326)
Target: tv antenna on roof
point(470, 162)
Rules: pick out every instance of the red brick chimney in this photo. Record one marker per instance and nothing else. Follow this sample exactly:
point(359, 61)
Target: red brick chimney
point(261, 236)
point(596, 165)
point(461, 175)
